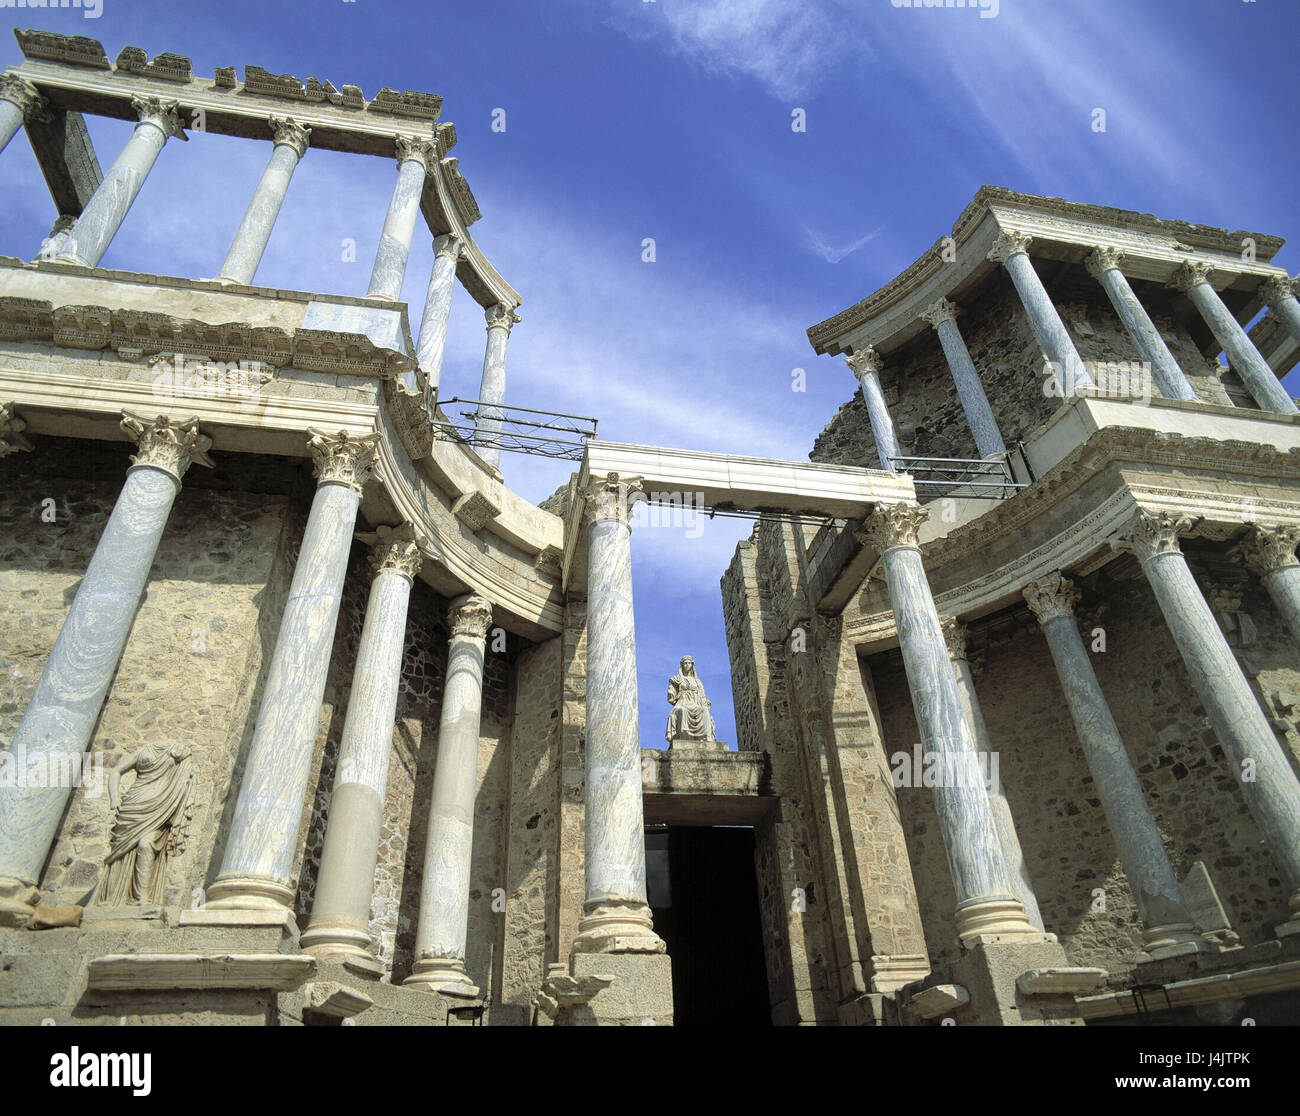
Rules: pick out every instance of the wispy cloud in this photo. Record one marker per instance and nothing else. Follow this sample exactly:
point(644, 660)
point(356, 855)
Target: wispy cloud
point(829, 252)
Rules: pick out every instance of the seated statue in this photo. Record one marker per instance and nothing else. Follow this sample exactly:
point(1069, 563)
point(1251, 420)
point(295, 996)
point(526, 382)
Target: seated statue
point(690, 718)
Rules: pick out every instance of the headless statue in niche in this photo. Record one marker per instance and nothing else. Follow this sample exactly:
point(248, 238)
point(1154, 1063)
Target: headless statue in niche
point(151, 825)
point(690, 718)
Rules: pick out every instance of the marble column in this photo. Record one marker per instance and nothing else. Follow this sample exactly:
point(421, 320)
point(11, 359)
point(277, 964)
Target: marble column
point(1011, 249)
point(1258, 763)
point(257, 868)
point(942, 315)
point(290, 144)
point(1104, 266)
point(986, 902)
point(866, 365)
point(615, 914)
point(437, 310)
point(956, 634)
point(1279, 293)
point(443, 927)
point(60, 718)
point(1193, 280)
point(1270, 553)
point(492, 390)
point(340, 915)
point(413, 157)
point(108, 205)
point(1167, 926)
point(19, 102)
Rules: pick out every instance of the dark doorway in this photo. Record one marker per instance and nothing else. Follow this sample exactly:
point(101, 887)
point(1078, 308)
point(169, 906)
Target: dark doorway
point(703, 893)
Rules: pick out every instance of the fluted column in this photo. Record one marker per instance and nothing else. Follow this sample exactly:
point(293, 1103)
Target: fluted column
point(1166, 923)
point(986, 902)
point(291, 140)
point(1279, 293)
point(1104, 266)
point(444, 893)
point(386, 276)
point(258, 866)
point(615, 915)
point(1267, 782)
point(942, 315)
point(340, 915)
point(1011, 249)
point(1193, 280)
point(866, 366)
point(956, 634)
point(108, 205)
point(1270, 553)
point(61, 715)
point(19, 103)
point(437, 310)
point(492, 390)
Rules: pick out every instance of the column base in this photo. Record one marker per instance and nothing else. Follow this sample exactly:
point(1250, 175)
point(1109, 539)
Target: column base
point(614, 927)
point(442, 974)
point(1291, 926)
point(323, 941)
point(1001, 917)
point(891, 972)
point(17, 902)
point(248, 893)
point(1174, 940)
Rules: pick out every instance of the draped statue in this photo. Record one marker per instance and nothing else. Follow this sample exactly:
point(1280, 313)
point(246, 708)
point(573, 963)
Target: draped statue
point(151, 825)
point(690, 718)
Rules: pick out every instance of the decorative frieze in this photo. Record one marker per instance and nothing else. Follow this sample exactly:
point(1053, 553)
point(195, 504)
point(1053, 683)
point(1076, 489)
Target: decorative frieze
point(166, 445)
point(168, 66)
point(475, 510)
point(460, 192)
point(12, 439)
point(417, 106)
point(342, 458)
point(49, 46)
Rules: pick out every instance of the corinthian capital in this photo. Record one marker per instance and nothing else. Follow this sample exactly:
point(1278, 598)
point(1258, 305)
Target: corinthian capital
point(447, 245)
point(409, 148)
point(1008, 244)
point(166, 445)
point(955, 634)
point(21, 92)
point(1268, 549)
point(163, 114)
point(12, 439)
point(862, 361)
point(1052, 598)
point(1276, 288)
point(941, 311)
point(1190, 274)
point(892, 525)
point(613, 497)
point(286, 130)
point(1150, 536)
point(470, 616)
point(394, 550)
point(1103, 260)
point(342, 458)
point(501, 316)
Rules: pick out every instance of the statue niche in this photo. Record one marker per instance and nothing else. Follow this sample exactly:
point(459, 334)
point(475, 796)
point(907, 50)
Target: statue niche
point(691, 721)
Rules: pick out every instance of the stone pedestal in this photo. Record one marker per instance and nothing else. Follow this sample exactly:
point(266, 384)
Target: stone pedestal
point(687, 745)
point(640, 994)
point(992, 970)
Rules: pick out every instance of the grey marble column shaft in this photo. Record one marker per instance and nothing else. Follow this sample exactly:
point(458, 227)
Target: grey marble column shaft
point(1267, 782)
point(399, 223)
point(108, 205)
point(1271, 553)
point(437, 311)
point(1012, 251)
point(254, 231)
point(986, 902)
point(1279, 293)
point(1156, 891)
point(492, 389)
point(1003, 821)
point(11, 119)
point(258, 865)
point(970, 389)
point(443, 926)
point(1193, 280)
point(19, 102)
point(1104, 265)
point(60, 718)
point(341, 912)
point(866, 365)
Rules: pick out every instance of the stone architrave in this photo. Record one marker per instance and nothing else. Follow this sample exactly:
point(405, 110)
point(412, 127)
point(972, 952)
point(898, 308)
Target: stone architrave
point(865, 365)
point(1270, 552)
point(1279, 293)
point(492, 390)
point(389, 270)
point(942, 316)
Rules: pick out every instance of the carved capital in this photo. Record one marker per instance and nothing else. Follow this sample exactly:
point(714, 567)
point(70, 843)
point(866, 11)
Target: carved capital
point(1008, 244)
point(1277, 288)
point(862, 361)
point(417, 149)
point(955, 635)
point(394, 550)
point(159, 112)
point(941, 311)
point(612, 497)
point(21, 92)
point(286, 130)
point(1268, 549)
point(1052, 598)
point(12, 439)
point(501, 316)
point(447, 245)
point(893, 525)
point(342, 458)
point(1150, 536)
point(1103, 260)
point(1190, 274)
point(166, 445)
point(470, 616)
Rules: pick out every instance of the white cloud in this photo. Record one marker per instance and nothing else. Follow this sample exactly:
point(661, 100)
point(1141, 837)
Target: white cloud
point(829, 252)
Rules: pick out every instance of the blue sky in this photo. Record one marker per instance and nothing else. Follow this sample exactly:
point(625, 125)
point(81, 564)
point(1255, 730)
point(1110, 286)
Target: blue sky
point(628, 119)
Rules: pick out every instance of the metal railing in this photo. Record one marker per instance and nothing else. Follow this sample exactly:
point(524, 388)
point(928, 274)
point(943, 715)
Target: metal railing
point(974, 477)
point(548, 434)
